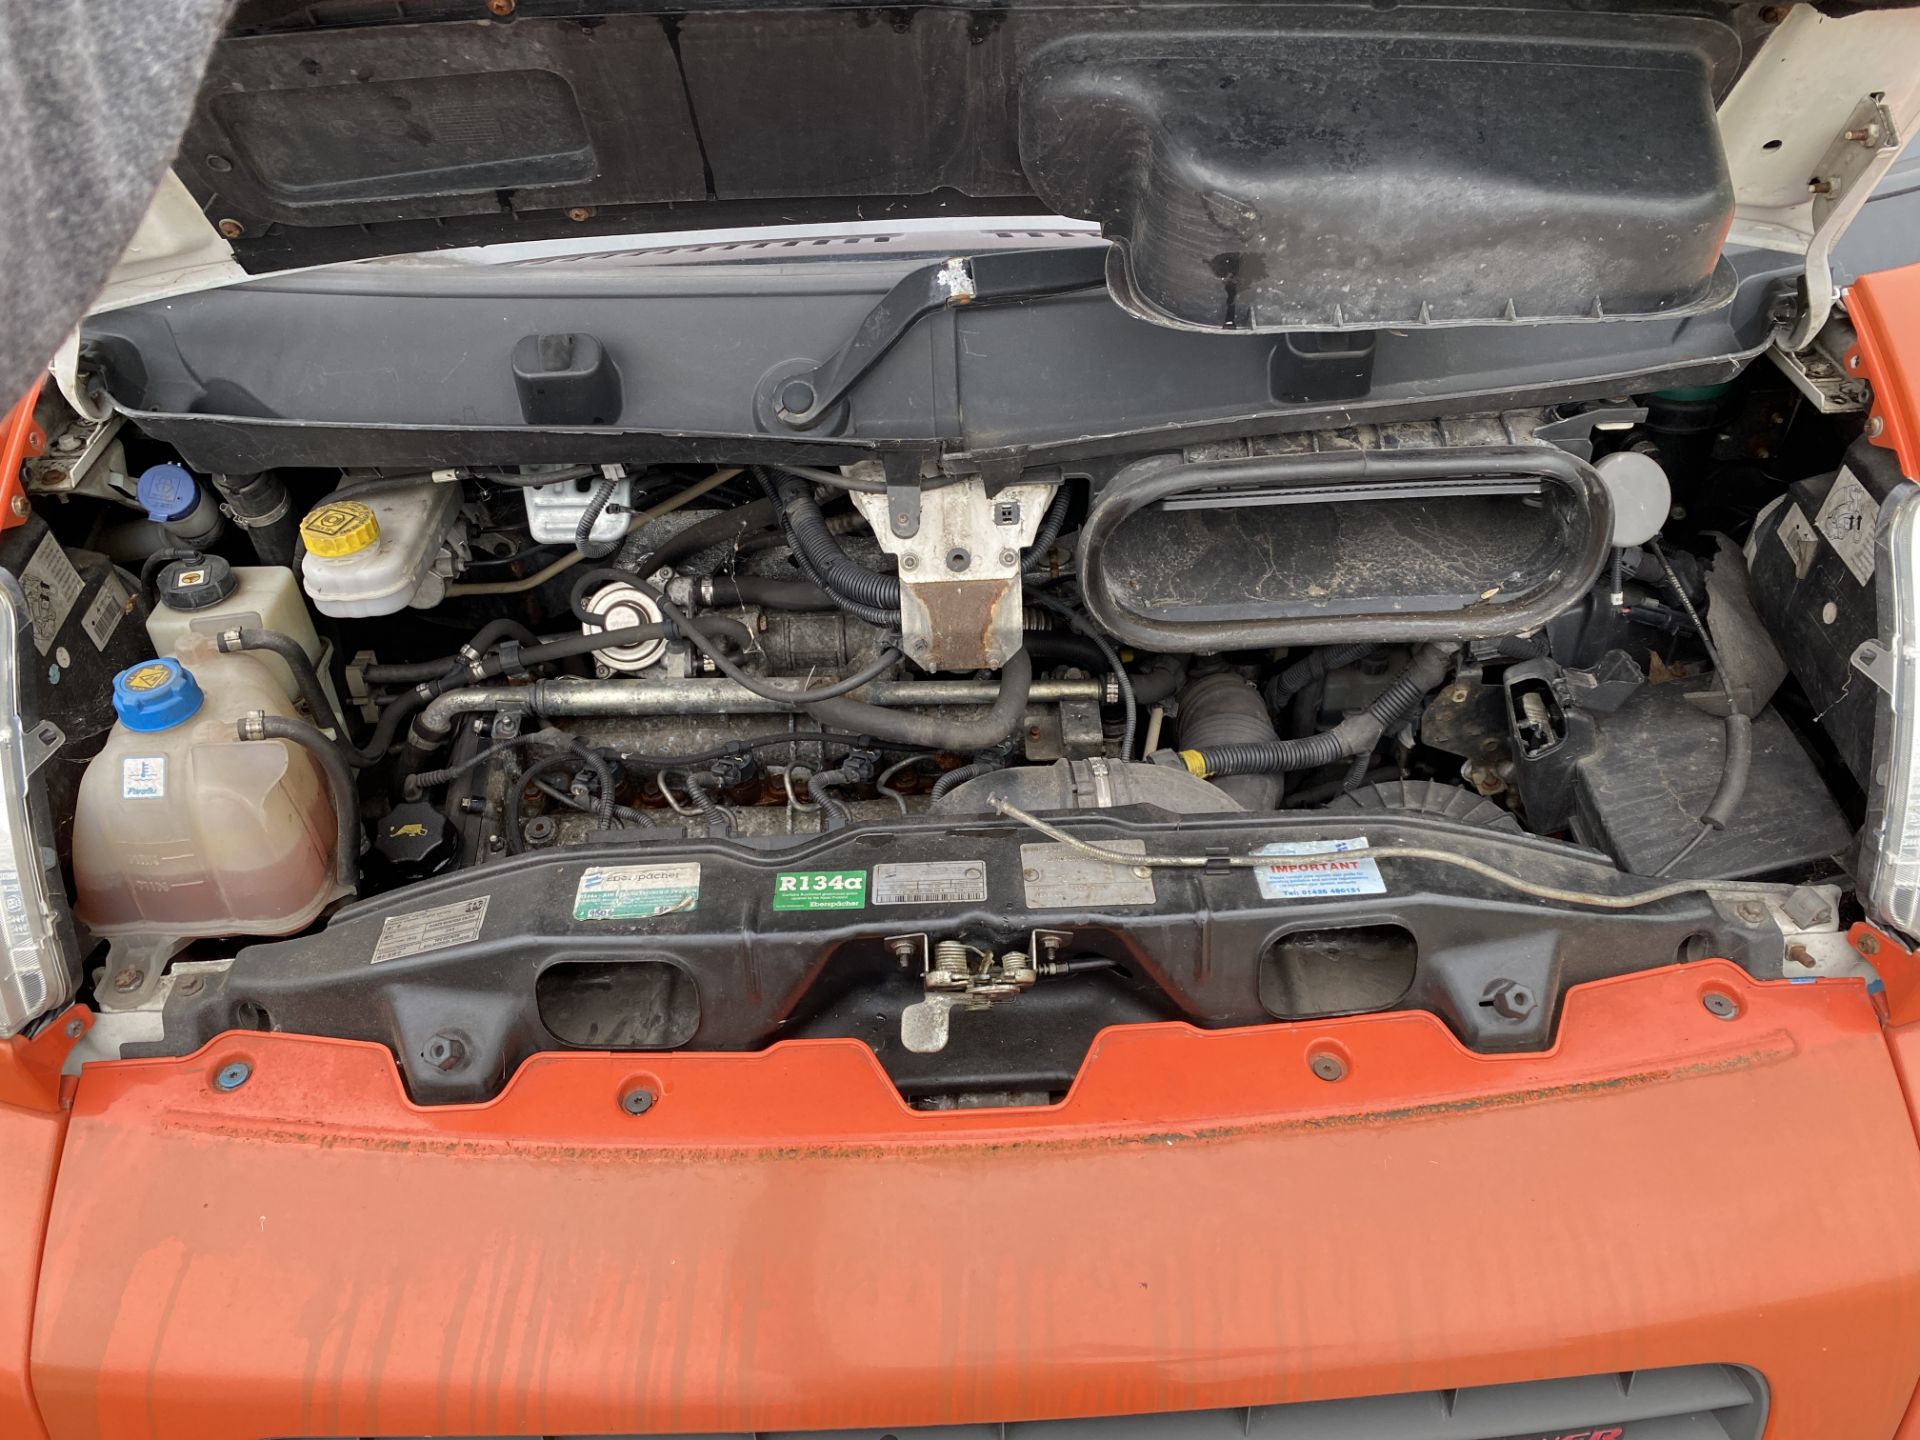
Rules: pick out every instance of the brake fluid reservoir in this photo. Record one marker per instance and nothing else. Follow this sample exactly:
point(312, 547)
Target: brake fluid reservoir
point(183, 830)
point(375, 553)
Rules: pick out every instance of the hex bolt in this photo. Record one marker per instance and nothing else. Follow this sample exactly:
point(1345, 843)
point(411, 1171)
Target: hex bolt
point(902, 949)
point(1875, 425)
point(445, 1052)
point(128, 979)
point(580, 212)
point(21, 506)
point(190, 985)
point(1719, 1006)
point(1868, 945)
point(76, 1027)
point(1751, 910)
point(1328, 1066)
point(638, 1101)
point(1513, 1002)
point(233, 1076)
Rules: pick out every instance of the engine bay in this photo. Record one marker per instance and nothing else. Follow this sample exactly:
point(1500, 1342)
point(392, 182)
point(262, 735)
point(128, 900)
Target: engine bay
point(482, 761)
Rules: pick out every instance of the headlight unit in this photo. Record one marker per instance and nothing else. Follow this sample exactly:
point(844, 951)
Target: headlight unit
point(1890, 848)
point(37, 945)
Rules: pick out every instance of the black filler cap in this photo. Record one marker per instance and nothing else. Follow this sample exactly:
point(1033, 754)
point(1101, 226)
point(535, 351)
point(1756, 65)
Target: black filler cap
point(196, 584)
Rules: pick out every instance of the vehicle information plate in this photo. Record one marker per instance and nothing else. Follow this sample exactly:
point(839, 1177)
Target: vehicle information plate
point(103, 614)
point(820, 890)
point(422, 930)
point(932, 882)
point(51, 585)
point(1318, 867)
point(636, 892)
point(1059, 877)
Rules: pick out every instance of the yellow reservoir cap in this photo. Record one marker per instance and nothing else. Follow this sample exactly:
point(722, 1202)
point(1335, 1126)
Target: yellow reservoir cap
point(340, 527)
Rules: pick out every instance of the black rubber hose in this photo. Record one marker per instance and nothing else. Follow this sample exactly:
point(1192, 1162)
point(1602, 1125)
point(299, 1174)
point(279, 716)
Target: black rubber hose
point(1050, 526)
point(987, 727)
point(491, 634)
point(1164, 675)
point(1734, 770)
point(294, 655)
point(259, 506)
point(871, 614)
point(700, 788)
point(959, 776)
point(721, 529)
point(839, 573)
point(821, 787)
point(1061, 647)
point(333, 766)
point(1303, 672)
point(1356, 735)
point(1520, 647)
point(521, 481)
point(583, 540)
point(151, 567)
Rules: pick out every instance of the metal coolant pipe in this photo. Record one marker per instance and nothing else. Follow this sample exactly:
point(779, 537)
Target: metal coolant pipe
point(626, 697)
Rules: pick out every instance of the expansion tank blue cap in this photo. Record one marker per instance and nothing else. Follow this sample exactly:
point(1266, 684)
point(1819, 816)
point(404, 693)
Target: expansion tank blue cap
point(156, 695)
point(169, 493)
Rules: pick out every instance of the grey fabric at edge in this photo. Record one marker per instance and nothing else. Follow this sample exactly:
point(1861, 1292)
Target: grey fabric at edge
point(94, 95)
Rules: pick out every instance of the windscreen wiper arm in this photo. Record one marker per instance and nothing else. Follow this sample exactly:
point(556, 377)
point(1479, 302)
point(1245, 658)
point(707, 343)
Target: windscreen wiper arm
point(803, 400)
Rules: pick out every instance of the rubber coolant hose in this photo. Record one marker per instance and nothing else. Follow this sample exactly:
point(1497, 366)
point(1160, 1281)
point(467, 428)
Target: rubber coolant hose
point(258, 725)
point(1356, 735)
point(989, 726)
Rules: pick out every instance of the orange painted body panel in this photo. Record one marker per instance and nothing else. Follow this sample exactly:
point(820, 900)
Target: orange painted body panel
point(1885, 310)
point(780, 1243)
point(33, 1121)
point(19, 438)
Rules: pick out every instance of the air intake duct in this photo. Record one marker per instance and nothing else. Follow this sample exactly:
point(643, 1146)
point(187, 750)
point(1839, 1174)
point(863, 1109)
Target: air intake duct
point(1457, 543)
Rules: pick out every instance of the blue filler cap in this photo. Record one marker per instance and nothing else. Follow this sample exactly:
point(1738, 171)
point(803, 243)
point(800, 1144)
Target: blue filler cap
point(156, 695)
point(168, 492)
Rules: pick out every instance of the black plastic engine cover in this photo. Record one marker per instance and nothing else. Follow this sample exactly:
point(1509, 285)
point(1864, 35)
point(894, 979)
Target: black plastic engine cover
point(734, 947)
point(1417, 167)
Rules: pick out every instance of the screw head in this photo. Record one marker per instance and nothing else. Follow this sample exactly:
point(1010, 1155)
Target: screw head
point(128, 979)
point(575, 213)
point(21, 505)
point(233, 1076)
point(1328, 1066)
point(909, 562)
point(1751, 910)
point(1008, 557)
point(1875, 425)
point(500, 7)
point(76, 1027)
point(1721, 1007)
point(1458, 695)
point(190, 985)
point(1868, 945)
point(231, 229)
point(638, 1101)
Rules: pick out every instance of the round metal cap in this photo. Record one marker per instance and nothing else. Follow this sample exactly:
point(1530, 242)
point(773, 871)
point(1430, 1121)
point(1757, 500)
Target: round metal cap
point(619, 605)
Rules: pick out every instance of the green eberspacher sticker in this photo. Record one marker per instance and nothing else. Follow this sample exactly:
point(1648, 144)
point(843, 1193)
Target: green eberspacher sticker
point(820, 890)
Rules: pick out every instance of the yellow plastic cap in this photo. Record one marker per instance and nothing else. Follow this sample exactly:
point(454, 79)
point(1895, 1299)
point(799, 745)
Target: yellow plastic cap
point(340, 527)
